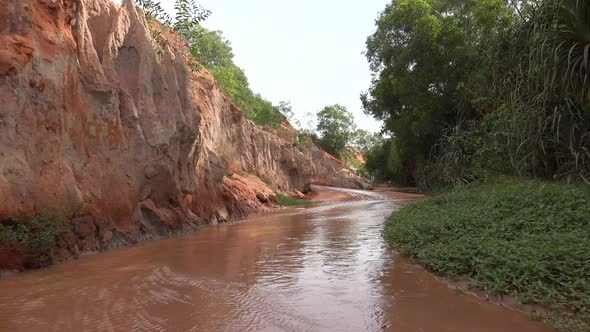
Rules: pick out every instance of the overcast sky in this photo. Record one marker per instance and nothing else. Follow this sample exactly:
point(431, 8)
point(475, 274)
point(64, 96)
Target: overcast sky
point(307, 51)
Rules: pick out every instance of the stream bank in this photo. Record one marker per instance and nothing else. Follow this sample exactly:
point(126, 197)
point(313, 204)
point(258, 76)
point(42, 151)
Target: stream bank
point(524, 238)
point(322, 267)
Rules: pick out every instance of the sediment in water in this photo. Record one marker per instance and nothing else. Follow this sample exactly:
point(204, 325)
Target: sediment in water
point(123, 142)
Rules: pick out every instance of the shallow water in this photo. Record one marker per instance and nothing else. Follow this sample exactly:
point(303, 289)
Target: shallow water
point(320, 268)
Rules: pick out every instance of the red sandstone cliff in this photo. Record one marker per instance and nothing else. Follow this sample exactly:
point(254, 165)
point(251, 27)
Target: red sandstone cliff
point(122, 142)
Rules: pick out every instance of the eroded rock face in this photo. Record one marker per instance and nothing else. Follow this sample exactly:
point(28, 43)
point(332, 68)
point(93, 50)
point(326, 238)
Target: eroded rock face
point(96, 125)
point(330, 171)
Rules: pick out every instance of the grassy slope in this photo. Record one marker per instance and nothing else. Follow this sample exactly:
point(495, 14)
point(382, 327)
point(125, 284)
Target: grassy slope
point(529, 239)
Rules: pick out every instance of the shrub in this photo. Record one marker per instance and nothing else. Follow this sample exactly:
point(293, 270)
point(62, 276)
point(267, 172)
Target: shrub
point(304, 141)
point(285, 200)
point(524, 238)
point(37, 234)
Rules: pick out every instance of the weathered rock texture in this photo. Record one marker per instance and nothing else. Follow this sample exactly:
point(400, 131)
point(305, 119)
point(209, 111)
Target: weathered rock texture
point(330, 171)
point(121, 141)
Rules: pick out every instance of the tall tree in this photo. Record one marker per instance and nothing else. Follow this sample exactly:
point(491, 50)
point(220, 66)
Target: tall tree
point(423, 55)
point(365, 140)
point(336, 128)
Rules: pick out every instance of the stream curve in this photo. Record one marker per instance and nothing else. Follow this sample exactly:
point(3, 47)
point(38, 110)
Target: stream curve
point(324, 267)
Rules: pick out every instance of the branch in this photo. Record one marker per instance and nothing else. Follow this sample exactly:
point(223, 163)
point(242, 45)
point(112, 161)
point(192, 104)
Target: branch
point(517, 9)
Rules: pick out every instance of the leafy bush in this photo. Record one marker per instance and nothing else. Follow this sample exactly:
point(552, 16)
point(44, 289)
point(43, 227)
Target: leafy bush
point(285, 200)
point(153, 10)
point(453, 165)
point(524, 238)
point(37, 234)
point(262, 112)
point(285, 108)
point(304, 141)
point(212, 50)
point(189, 15)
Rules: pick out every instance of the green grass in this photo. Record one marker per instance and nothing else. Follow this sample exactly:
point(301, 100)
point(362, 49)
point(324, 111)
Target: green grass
point(285, 200)
point(525, 238)
point(37, 235)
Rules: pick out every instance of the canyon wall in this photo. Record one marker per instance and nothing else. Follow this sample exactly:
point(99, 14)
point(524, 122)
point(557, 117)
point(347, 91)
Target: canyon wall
point(124, 141)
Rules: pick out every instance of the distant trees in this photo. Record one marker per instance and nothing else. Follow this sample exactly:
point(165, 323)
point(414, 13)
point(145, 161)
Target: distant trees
point(336, 128)
point(285, 108)
point(365, 140)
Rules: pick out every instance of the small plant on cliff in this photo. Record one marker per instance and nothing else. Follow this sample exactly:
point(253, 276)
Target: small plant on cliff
point(304, 141)
point(285, 108)
point(153, 11)
point(189, 15)
point(36, 235)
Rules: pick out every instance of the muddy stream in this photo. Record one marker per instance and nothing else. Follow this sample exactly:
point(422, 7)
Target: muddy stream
point(319, 268)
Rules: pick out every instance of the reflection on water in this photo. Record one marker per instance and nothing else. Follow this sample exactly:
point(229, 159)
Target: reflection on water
point(323, 268)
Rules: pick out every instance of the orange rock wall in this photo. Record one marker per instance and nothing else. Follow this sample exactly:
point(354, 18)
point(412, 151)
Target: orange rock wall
point(95, 125)
point(118, 139)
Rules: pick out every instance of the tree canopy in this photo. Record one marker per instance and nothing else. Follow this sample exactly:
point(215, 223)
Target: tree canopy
point(336, 128)
point(465, 86)
point(423, 55)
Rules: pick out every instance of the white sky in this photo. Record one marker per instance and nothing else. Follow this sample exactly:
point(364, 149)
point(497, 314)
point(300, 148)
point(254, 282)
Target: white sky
point(305, 51)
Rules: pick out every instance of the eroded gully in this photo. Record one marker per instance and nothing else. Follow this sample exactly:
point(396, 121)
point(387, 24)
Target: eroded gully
point(319, 268)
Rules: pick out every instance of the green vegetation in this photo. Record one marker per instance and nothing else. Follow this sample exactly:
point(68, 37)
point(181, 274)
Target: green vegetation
point(285, 200)
point(365, 140)
point(383, 161)
point(215, 53)
point(471, 90)
point(212, 50)
point(186, 23)
point(471, 87)
point(526, 238)
point(189, 15)
point(37, 235)
point(305, 140)
point(349, 156)
point(336, 129)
